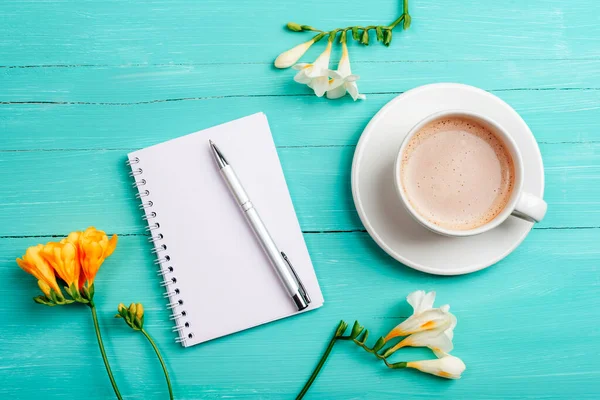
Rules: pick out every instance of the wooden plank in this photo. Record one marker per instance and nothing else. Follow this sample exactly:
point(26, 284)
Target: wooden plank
point(554, 117)
point(506, 313)
point(53, 191)
point(72, 32)
point(135, 84)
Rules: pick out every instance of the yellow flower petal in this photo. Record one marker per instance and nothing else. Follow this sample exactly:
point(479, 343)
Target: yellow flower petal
point(33, 263)
point(94, 246)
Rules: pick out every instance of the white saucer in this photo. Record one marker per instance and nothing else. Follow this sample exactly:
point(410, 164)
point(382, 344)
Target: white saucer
point(380, 209)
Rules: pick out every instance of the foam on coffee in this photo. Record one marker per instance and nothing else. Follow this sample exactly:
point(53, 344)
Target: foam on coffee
point(457, 173)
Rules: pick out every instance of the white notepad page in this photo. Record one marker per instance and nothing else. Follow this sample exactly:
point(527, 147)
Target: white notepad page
point(220, 274)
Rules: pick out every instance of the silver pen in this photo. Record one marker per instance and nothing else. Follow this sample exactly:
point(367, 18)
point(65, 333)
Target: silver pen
point(278, 258)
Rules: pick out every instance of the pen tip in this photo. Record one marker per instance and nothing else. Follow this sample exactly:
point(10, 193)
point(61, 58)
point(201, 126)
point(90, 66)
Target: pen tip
point(210, 142)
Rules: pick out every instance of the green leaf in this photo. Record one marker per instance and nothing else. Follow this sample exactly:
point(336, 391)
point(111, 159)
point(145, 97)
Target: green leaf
point(292, 26)
point(343, 37)
point(41, 300)
point(92, 291)
point(356, 330)
point(387, 37)
point(379, 34)
point(379, 344)
point(355, 34)
point(407, 21)
point(118, 315)
point(365, 37)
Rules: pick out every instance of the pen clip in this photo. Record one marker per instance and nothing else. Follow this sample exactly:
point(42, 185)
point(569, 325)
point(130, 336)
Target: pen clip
point(302, 290)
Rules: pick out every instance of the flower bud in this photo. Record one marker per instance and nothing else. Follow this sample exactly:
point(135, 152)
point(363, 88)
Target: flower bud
point(407, 21)
point(365, 37)
point(379, 34)
point(387, 37)
point(446, 366)
point(292, 26)
point(44, 287)
point(140, 311)
point(290, 57)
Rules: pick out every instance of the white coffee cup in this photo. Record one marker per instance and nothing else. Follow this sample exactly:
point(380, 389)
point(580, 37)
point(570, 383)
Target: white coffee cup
point(520, 204)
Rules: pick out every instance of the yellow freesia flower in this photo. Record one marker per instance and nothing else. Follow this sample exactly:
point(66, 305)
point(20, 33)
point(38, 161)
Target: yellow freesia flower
point(76, 259)
point(33, 263)
point(64, 258)
point(94, 246)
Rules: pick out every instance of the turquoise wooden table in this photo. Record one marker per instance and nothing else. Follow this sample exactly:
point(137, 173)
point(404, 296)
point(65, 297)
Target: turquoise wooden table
point(84, 82)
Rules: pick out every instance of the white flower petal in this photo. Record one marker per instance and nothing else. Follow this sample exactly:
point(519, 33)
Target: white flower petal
point(352, 89)
point(431, 319)
point(290, 57)
point(302, 78)
point(301, 66)
point(321, 64)
point(344, 64)
point(336, 92)
point(335, 75)
point(436, 340)
point(319, 85)
point(447, 366)
point(421, 301)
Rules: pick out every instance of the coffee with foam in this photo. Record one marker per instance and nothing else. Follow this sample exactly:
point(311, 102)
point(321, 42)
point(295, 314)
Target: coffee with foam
point(457, 174)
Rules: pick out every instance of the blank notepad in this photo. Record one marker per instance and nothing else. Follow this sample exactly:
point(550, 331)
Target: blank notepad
point(216, 277)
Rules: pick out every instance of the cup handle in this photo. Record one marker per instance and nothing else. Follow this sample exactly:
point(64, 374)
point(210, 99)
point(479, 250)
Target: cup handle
point(530, 208)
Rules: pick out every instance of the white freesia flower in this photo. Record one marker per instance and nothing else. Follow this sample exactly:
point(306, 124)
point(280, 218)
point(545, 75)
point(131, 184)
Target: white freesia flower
point(290, 57)
point(424, 317)
point(436, 339)
point(343, 79)
point(315, 75)
point(446, 366)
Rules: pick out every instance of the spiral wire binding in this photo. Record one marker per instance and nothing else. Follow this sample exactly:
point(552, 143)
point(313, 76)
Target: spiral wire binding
point(172, 292)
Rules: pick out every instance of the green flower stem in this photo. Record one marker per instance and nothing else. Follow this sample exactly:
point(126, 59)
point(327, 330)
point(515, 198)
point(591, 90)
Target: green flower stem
point(162, 362)
point(405, 16)
point(339, 330)
point(101, 344)
point(401, 364)
point(338, 335)
point(396, 22)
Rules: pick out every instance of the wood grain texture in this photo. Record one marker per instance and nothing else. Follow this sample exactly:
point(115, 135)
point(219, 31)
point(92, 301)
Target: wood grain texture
point(84, 82)
point(142, 84)
point(87, 187)
point(555, 116)
point(507, 330)
point(111, 32)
